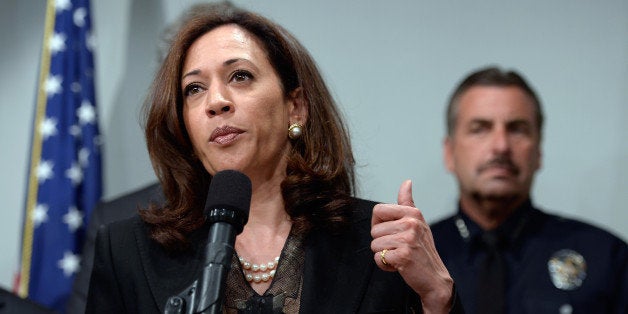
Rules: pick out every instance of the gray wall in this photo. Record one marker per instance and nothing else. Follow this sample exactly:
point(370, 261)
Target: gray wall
point(391, 67)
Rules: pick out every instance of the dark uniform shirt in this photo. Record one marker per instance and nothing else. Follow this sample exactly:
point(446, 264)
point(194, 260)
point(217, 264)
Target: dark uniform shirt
point(554, 265)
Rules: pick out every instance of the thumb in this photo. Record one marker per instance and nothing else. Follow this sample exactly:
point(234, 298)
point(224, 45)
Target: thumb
point(405, 194)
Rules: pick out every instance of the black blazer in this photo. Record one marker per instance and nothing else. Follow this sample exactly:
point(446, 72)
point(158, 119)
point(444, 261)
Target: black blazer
point(133, 274)
point(13, 304)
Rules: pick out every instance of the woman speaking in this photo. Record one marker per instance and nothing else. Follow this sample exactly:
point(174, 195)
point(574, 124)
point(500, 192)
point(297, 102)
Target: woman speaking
point(236, 91)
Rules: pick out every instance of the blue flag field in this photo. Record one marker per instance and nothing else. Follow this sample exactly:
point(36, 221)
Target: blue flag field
point(64, 178)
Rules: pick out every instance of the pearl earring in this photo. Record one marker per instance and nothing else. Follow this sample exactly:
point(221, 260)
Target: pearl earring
point(295, 131)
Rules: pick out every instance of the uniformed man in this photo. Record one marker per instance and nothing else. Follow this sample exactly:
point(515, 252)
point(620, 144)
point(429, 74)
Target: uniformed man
point(506, 255)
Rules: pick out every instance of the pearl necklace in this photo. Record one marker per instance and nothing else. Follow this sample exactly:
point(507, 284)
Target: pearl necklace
point(258, 273)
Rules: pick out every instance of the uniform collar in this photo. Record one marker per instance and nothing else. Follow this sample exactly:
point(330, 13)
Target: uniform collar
point(511, 229)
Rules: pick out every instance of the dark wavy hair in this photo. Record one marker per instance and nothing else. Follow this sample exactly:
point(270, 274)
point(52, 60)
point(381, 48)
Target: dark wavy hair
point(320, 178)
point(491, 76)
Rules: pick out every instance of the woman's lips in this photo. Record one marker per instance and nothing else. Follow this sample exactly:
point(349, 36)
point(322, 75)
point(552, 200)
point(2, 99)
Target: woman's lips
point(225, 135)
point(225, 139)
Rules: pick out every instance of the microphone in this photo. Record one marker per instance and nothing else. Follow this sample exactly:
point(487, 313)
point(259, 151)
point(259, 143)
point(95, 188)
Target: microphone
point(227, 209)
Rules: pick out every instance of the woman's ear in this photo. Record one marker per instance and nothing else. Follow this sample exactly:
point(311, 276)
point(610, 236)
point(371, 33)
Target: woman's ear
point(298, 106)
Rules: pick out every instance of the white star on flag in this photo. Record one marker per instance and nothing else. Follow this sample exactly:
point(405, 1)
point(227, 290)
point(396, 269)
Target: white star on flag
point(48, 127)
point(40, 214)
point(79, 17)
point(83, 157)
point(44, 171)
point(74, 219)
point(86, 113)
point(75, 173)
point(91, 41)
point(70, 263)
point(98, 140)
point(53, 85)
point(57, 43)
point(75, 87)
point(61, 5)
point(75, 131)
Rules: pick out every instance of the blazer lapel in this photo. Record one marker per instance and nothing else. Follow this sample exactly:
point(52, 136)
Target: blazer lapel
point(168, 274)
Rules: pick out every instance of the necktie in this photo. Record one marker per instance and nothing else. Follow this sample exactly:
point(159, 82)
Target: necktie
point(492, 276)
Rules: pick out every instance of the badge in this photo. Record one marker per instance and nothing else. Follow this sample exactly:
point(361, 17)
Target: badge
point(567, 269)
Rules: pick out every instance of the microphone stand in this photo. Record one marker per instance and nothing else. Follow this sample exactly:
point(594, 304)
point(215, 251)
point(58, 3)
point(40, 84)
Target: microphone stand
point(205, 294)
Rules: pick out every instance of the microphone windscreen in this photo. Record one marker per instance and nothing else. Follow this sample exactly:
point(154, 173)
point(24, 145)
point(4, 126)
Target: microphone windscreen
point(230, 189)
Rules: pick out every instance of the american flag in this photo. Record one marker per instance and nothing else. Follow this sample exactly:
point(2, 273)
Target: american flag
point(64, 180)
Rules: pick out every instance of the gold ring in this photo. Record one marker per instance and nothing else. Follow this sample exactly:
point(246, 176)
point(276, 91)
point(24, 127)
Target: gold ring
point(382, 254)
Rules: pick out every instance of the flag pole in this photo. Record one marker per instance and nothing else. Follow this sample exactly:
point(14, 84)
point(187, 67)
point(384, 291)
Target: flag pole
point(40, 110)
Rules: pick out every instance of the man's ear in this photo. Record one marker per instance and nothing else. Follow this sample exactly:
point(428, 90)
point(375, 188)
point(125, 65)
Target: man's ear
point(298, 106)
point(448, 154)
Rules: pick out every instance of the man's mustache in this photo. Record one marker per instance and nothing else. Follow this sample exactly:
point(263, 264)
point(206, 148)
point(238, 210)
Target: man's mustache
point(501, 162)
